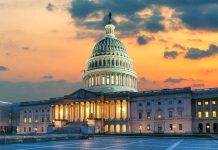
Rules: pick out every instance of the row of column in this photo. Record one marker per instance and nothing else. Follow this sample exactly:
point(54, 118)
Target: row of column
point(111, 79)
point(82, 111)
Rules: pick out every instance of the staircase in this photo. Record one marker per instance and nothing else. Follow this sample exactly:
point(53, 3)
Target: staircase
point(70, 127)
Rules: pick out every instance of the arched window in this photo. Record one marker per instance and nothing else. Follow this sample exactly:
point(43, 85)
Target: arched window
point(112, 128)
point(124, 128)
point(96, 63)
point(104, 62)
point(106, 128)
point(117, 64)
point(117, 128)
point(99, 63)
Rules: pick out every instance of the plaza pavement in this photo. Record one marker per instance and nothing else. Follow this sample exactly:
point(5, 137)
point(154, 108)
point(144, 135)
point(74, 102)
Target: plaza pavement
point(120, 143)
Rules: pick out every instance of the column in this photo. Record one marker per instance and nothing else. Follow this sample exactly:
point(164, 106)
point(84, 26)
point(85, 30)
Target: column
point(51, 113)
point(196, 109)
point(95, 103)
point(109, 114)
point(210, 111)
point(85, 111)
point(59, 112)
point(64, 112)
point(127, 109)
point(121, 110)
point(79, 112)
point(115, 102)
point(74, 112)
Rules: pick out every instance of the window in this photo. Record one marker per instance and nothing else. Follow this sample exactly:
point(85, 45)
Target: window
point(171, 126)
point(206, 114)
point(148, 115)
point(30, 111)
point(24, 120)
point(199, 103)
point(42, 110)
point(199, 114)
point(112, 79)
point(25, 111)
point(180, 102)
point(180, 126)
point(47, 119)
point(117, 81)
point(30, 119)
point(140, 115)
point(170, 102)
point(108, 79)
point(29, 129)
point(140, 104)
point(170, 114)
point(180, 113)
point(42, 129)
point(214, 114)
point(214, 102)
point(206, 102)
point(24, 129)
point(36, 110)
point(48, 110)
point(148, 127)
point(159, 103)
point(148, 103)
point(36, 119)
point(42, 119)
point(103, 80)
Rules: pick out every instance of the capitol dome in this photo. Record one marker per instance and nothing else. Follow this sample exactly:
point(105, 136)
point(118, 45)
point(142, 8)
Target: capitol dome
point(110, 69)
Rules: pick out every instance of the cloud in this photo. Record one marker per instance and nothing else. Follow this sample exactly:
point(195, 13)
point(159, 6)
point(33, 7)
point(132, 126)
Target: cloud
point(198, 85)
point(142, 40)
point(29, 91)
point(170, 54)
point(93, 15)
point(3, 68)
point(47, 77)
point(51, 7)
point(26, 48)
point(195, 53)
point(174, 80)
point(179, 46)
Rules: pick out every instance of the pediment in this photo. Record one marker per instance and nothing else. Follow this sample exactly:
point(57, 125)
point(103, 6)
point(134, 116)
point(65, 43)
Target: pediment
point(81, 94)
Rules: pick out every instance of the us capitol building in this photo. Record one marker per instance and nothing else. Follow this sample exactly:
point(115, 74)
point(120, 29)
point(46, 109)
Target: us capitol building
point(110, 103)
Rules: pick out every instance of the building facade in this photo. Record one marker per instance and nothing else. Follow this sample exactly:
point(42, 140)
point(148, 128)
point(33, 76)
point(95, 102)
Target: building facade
point(110, 103)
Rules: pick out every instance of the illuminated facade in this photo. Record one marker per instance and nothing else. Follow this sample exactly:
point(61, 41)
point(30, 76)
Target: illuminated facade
point(110, 103)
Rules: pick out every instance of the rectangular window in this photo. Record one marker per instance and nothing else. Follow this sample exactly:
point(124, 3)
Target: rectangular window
point(180, 113)
point(108, 79)
point(112, 79)
point(140, 115)
point(214, 102)
point(47, 119)
point(42, 119)
point(92, 81)
point(180, 126)
point(24, 129)
point(171, 126)
point(206, 102)
point(206, 114)
point(148, 115)
point(199, 103)
point(117, 81)
point(170, 114)
point(24, 120)
point(214, 114)
point(199, 114)
point(30, 119)
point(103, 80)
point(42, 129)
point(29, 129)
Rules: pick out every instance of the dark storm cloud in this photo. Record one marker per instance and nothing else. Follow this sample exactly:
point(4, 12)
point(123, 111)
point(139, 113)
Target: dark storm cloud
point(47, 77)
point(50, 7)
point(29, 91)
point(174, 80)
point(170, 54)
point(195, 53)
point(142, 40)
point(195, 14)
point(82, 10)
point(3, 68)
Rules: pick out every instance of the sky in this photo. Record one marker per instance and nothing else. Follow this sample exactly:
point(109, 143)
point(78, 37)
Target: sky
point(45, 44)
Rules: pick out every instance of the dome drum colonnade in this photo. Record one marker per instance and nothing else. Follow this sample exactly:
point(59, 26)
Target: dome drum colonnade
point(110, 69)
